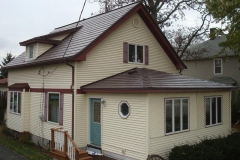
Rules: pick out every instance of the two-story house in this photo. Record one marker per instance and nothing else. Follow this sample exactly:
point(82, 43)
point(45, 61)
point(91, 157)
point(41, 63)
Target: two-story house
point(117, 87)
point(210, 65)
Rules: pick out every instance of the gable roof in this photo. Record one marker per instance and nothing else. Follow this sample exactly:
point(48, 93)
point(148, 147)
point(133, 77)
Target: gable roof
point(92, 32)
point(211, 48)
point(148, 80)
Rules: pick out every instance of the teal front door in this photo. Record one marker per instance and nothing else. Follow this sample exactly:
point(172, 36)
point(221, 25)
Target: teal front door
point(95, 121)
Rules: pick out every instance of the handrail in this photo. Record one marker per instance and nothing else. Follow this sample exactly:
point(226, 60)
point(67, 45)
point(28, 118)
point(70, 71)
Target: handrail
point(64, 143)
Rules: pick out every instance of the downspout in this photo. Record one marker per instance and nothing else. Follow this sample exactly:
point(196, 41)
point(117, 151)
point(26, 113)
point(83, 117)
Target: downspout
point(72, 97)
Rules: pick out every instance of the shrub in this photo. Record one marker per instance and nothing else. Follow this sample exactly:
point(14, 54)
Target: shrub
point(221, 148)
point(25, 137)
point(3, 106)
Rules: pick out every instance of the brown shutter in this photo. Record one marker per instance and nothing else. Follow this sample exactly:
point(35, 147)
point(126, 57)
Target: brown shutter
point(146, 55)
point(45, 107)
point(61, 110)
point(125, 52)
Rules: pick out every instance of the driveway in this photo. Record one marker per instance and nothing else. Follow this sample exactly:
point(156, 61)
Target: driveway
point(7, 154)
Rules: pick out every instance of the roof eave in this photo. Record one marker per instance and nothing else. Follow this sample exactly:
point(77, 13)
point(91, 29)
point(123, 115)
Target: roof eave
point(153, 90)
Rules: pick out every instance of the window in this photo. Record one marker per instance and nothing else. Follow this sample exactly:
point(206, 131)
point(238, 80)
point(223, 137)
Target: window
point(213, 110)
point(97, 111)
point(135, 53)
point(177, 115)
point(53, 107)
point(124, 109)
point(30, 52)
point(218, 66)
point(15, 102)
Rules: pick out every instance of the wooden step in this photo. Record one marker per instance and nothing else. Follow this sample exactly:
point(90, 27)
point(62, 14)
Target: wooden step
point(58, 155)
point(83, 154)
point(86, 158)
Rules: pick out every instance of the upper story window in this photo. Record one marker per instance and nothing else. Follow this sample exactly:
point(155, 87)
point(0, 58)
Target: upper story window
point(218, 68)
point(213, 110)
point(133, 53)
point(30, 51)
point(176, 115)
point(15, 102)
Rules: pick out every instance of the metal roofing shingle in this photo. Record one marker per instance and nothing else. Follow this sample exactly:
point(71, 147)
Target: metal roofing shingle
point(211, 48)
point(91, 29)
point(148, 79)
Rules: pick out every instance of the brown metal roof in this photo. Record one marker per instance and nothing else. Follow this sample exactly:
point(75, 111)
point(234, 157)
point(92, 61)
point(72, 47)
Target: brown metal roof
point(19, 86)
point(148, 80)
point(93, 31)
point(4, 81)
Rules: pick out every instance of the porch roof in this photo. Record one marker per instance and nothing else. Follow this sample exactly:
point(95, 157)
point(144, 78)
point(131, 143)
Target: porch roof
point(148, 80)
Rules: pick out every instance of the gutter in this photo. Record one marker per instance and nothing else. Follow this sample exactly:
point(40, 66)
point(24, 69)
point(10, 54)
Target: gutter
point(72, 97)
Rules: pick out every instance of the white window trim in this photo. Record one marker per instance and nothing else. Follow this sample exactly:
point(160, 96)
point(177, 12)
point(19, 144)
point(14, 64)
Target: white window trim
point(12, 111)
point(214, 72)
point(119, 110)
point(136, 53)
point(173, 122)
point(28, 52)
point(58, 107)
point(210, 125)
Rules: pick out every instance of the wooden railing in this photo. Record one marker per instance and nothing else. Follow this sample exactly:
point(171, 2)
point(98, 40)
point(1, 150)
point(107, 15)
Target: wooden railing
point(63, 144)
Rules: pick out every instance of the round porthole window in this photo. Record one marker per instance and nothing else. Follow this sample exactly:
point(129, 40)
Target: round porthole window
point(136, 22)
point(124, 109)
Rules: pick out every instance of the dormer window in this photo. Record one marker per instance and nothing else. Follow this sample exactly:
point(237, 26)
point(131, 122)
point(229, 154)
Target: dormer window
point(30, 52)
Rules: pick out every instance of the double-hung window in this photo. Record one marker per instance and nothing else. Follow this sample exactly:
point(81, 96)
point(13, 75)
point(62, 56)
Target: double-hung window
point(53, 107)
point(135, 53)
point(213, 110)
point(176, 115)
point(218, 69)
point(30, 52)
point(15, 102)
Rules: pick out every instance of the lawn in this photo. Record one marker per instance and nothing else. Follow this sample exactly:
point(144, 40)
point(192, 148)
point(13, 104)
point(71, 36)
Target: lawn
point(29, 151)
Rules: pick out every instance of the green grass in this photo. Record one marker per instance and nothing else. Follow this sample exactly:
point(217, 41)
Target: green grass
point(29, 151)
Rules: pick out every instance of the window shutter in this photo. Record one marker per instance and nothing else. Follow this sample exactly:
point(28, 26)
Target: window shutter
point(125, 52)
point(45, 107)
point(61, 110)
point(146, 55)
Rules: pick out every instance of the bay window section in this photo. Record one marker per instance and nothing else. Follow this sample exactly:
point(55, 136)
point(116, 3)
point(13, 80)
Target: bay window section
point(176, 115)
point(15, 102)
point(213, 110)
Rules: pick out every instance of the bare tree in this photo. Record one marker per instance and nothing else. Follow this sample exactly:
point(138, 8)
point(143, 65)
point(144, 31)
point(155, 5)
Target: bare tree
point(166, 13)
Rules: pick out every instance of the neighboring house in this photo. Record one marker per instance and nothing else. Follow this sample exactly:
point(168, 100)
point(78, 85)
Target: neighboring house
point(210, 65)
point(116, 88)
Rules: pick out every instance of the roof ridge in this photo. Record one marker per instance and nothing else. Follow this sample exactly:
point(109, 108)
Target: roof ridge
point(96, 15)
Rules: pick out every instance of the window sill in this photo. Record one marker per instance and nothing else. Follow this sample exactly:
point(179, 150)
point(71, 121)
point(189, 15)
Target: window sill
point(136, 63)
point(18, 114)
point(54, 123)
point(213, 125)
point(167, 134)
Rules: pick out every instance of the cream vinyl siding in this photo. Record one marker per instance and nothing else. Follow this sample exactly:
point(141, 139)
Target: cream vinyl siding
point(161, 144)
point(3, 88)
point(16, 121)
point(106, 58)
point(61, 78)
point(26, 111)
point(42, 47)
point(80, 121)
point(43, 129)
point(59, 37)
point(123, 134)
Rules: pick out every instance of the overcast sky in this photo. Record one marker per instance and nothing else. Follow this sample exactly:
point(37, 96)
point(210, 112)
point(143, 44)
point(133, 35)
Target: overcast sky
point(21, 20)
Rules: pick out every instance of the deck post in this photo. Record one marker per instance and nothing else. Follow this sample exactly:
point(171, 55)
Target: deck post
point(52, 139)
